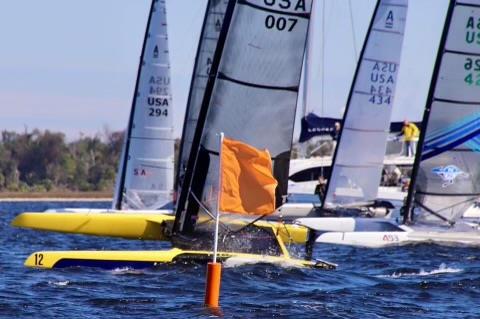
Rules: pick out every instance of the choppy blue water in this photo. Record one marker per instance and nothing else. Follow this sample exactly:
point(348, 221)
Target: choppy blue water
point(423, 281)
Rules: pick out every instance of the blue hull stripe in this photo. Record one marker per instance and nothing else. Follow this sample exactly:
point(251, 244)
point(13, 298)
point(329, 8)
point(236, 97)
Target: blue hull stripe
point(103, 264)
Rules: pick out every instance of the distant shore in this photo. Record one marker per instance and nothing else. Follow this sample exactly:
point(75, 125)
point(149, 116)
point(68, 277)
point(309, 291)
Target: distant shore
point(55, 196)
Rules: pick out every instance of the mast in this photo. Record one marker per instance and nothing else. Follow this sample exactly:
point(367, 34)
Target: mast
point(408, 209)
point(356, 172)
point(118, 197)
point(146, 178)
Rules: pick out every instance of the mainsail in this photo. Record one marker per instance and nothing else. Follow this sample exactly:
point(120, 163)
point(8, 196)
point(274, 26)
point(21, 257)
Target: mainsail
point(251, 96)
point(358, 159)
point(145, 178)
point(446, 177)
point(212, 25)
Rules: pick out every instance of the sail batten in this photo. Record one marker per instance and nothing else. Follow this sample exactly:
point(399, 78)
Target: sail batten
point(222, 76)
point(388, 31)
point(456, 101)
point(356, 173)
point(461, 52)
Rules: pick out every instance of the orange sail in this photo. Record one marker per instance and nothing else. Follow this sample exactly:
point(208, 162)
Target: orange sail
point(247, 183)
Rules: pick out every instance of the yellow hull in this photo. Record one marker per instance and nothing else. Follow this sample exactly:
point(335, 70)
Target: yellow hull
point(131, 225)
point(111, 224)
point(147, 259)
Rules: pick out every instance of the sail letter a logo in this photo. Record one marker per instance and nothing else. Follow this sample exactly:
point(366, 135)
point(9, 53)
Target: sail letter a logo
point(389, 20)
point(448, 174)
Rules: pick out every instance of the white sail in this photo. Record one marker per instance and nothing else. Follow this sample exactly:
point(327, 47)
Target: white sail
point(146, 171)
point(359, 157)
point(448, 176)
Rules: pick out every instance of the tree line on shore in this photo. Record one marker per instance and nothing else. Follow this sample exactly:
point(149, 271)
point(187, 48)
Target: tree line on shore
point(41, 161)
point(44, 161)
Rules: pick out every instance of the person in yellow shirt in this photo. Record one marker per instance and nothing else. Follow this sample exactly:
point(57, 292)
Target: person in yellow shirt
point(410, 134)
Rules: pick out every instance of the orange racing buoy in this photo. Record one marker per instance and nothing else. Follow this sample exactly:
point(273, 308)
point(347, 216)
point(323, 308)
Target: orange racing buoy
point(212, 289)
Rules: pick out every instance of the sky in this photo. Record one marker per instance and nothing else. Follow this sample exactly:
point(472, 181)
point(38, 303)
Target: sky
point(71, 65)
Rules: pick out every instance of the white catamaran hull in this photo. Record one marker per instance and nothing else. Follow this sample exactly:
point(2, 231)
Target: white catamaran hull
point(386, 239)
point(378, 233)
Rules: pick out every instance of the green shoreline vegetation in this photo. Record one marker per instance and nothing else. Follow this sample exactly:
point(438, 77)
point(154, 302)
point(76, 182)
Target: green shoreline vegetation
point(42, 164)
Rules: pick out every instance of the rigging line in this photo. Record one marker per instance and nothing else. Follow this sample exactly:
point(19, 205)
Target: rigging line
point(468, 200)
point(445, 219)
point(249, 224)
point(290, 239)
point(323, 57)
point(208, 212)
point(352, 24)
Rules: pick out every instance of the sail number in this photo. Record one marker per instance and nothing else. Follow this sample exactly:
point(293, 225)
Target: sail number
point(38, 259)
point(390, 238)
point(380, 99)
point(287, 4)
point(157, 112)
point(472, 78)
point(280, 23)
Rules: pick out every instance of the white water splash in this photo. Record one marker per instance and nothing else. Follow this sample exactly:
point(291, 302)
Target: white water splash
point(59, 283)
point(233, 262)
point(126, 271)
point(443, 269)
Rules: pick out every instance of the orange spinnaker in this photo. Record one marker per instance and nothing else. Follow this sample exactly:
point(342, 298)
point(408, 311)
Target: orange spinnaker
point(247, 183)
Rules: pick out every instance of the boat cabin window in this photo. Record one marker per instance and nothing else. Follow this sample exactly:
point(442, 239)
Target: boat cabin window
point(310, 174)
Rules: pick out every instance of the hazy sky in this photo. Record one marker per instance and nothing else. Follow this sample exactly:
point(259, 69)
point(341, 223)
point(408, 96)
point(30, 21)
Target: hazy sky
point(71, 66)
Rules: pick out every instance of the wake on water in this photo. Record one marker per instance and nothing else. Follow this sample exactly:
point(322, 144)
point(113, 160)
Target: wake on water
point(126, 271)
point(442, 269)
point(59, 283)
point(234, 262)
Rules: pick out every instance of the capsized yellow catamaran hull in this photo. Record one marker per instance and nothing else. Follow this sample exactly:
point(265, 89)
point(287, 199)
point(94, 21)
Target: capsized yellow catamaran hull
point(131, 225)
point(148, 259)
